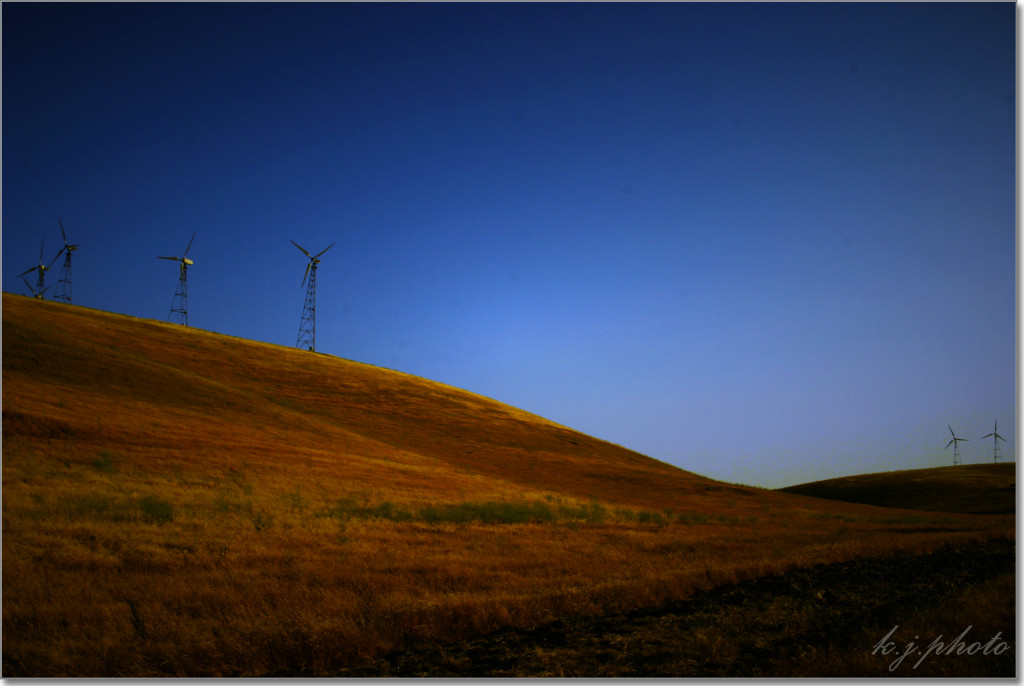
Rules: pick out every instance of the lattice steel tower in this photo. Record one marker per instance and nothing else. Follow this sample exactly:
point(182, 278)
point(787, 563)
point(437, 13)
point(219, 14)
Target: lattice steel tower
point(995, 440)
point(307, 325)
point(179, 304)
point(64, 283)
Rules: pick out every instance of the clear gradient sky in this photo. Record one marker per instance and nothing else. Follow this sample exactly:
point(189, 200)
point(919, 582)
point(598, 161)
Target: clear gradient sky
point(766, 243)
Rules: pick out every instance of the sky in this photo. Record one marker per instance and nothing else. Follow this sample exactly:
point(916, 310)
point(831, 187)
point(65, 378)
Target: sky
point(766, 243)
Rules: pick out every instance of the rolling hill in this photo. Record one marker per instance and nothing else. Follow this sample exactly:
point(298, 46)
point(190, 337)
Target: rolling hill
point(967, 489)
point(168, 395)
point(183, 503)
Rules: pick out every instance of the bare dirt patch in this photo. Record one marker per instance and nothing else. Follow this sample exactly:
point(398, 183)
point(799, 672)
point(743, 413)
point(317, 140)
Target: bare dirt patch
point(822, 621)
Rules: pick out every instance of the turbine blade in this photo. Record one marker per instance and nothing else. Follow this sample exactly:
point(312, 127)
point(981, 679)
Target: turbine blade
point(40, 251)
point(59, 253)
point(323, 251)
point(27, 271)
point(189, 244)
point(304, 275)
point(300, 248)
point(63, 235)
point(951, 430)
point(949, 444)
point(168, 258)
point(29, 286)
point(985, 436)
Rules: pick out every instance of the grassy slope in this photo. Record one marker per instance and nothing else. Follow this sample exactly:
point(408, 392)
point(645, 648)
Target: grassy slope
point(968, 489)
point(177, 502)
point(204, 400)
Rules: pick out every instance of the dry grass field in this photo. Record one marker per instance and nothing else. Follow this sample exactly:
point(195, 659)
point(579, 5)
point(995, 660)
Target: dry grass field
point(183, 503)
point(965, 488)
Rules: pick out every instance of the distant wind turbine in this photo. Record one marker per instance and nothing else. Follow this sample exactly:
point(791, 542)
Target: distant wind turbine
point(955, 442)
point(995, 441)
point(179, 305)
point(307, 325)
point(41, 268)
point(64, 284)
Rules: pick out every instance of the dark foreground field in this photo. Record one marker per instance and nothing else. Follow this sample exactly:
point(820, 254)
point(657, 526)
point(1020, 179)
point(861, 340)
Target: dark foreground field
point(830, 620)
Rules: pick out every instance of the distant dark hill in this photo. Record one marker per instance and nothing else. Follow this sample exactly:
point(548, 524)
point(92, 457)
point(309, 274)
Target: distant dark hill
point(966, 489)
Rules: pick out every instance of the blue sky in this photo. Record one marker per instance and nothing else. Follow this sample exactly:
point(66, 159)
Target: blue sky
point(767, 243)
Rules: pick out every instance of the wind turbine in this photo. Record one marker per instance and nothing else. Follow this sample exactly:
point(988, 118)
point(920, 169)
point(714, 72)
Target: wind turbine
point(995, 441)
point(307, 325)
point(64, 284)
point(955, 442)
point(179, 305)
point(42, 268)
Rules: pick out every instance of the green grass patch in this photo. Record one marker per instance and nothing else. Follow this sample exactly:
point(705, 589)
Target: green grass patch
point(104, 462)
point(489, 512)
point(494, 512)
point(156, 510)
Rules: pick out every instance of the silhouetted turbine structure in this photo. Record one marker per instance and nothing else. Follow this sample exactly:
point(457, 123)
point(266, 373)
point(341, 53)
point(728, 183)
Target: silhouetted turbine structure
point(307, 325)
point(995, 440)
point(179, 304)
point(42, 268)
point(64, 283)
point(955, 442)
